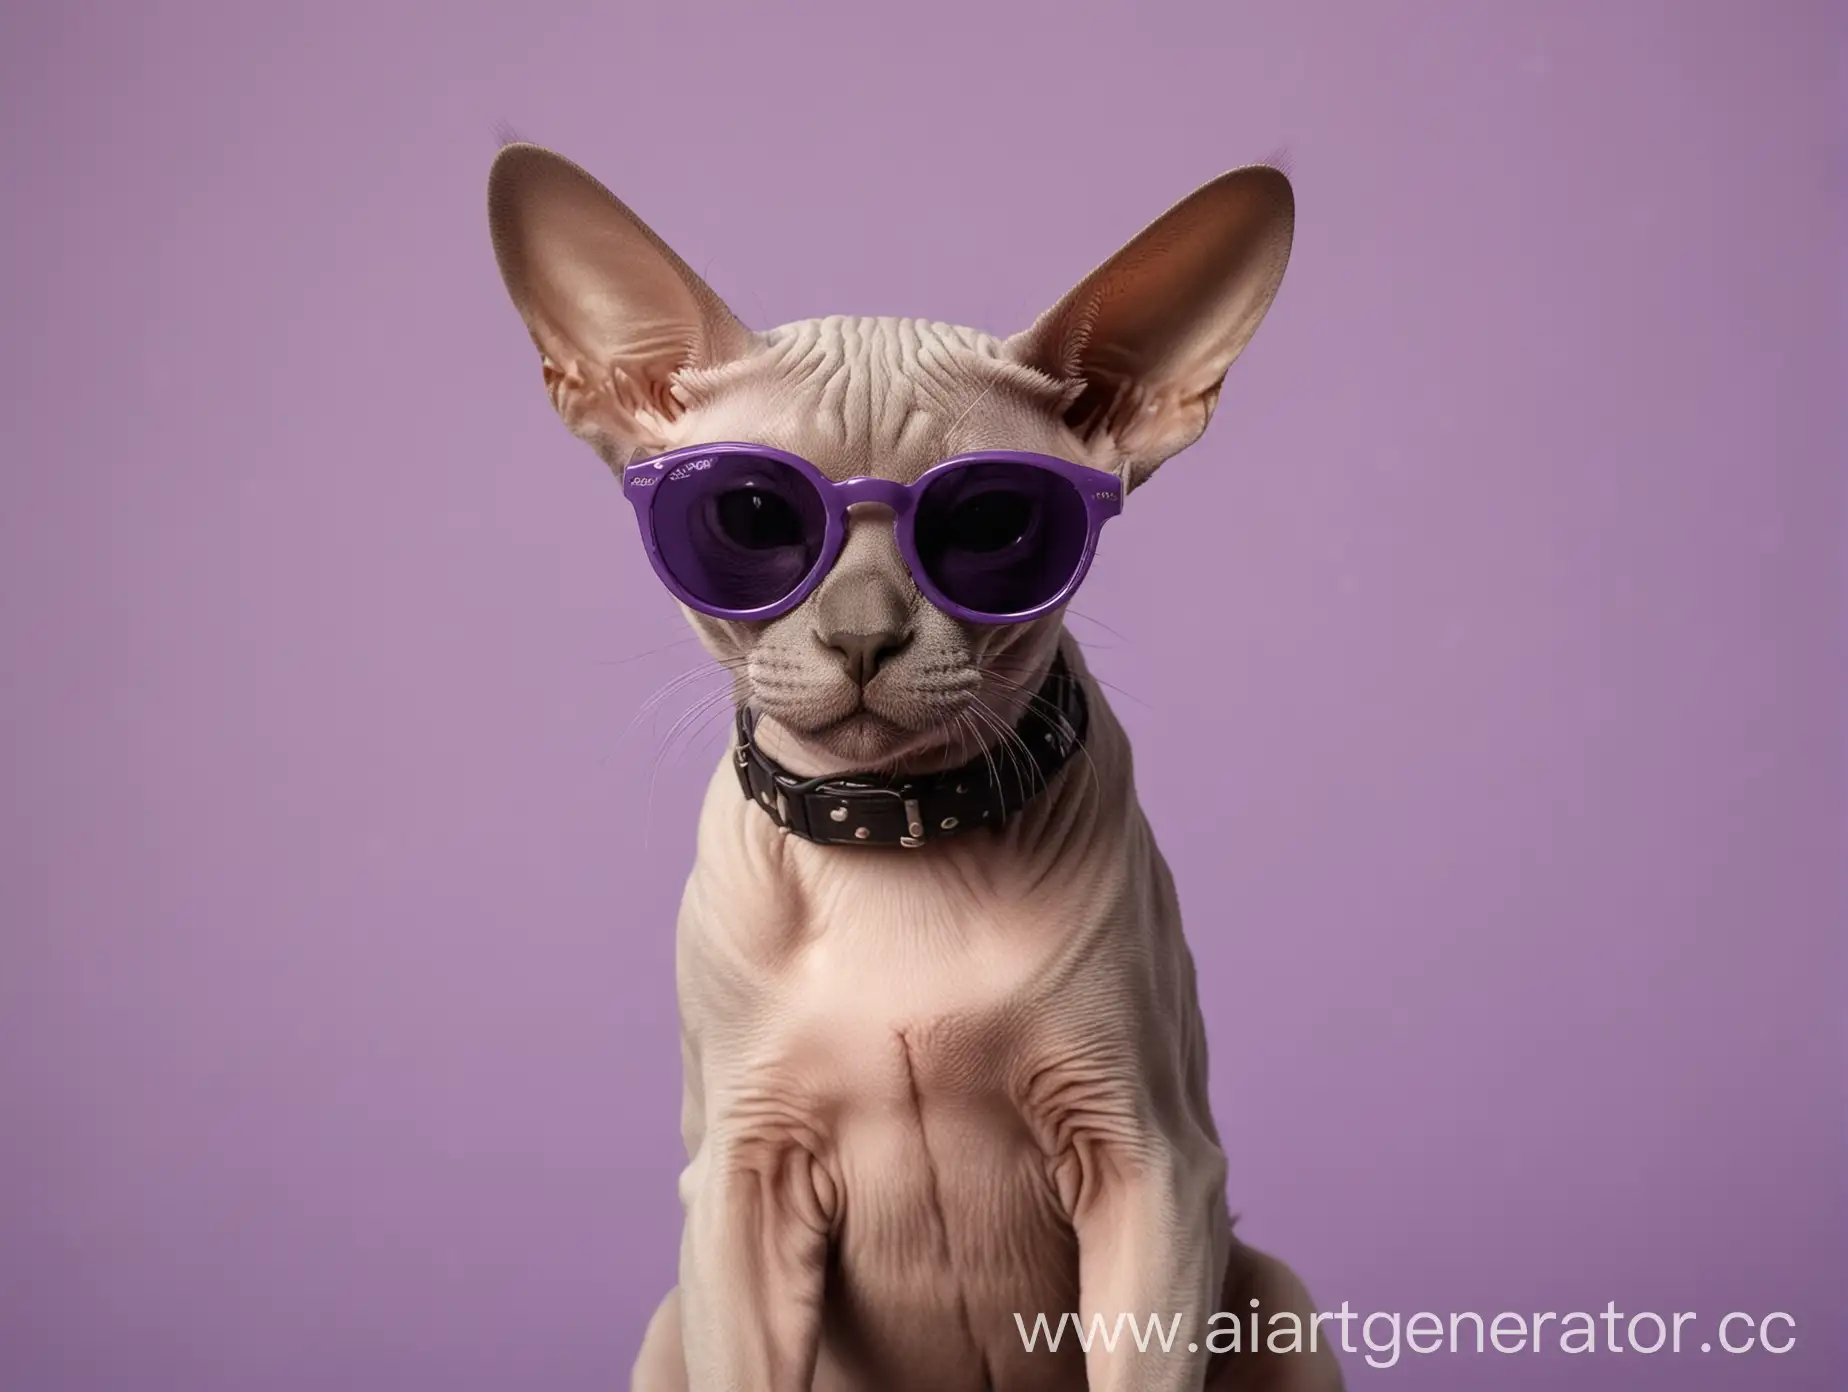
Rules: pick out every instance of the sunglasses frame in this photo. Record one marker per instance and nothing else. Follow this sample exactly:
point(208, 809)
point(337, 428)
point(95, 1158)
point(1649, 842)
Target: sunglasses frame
point(642, 482)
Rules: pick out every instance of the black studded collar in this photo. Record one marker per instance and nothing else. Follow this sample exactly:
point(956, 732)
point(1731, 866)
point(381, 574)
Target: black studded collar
point(863, 809)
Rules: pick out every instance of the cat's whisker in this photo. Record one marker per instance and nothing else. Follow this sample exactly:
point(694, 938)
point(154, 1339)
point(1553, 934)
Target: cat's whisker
point(1057, 718)
point(994, 772)
point(1095, 680)
point(654, 704)
point(697, 730)
point(961, 728)
point(650, 652)
point(716, 667)
point(690, 718)
point(1035, 701)
point(687, 718)
point(1062, 725)
point(1120, 637)
point(1008, 742)
point(1018, 741)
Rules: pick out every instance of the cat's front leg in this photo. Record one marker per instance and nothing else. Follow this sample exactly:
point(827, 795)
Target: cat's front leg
point(753, 1259)
point(1153, 1241)
point(1141, 1177)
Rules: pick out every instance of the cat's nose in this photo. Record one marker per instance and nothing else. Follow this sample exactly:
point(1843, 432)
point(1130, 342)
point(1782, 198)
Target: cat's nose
point(865, 653)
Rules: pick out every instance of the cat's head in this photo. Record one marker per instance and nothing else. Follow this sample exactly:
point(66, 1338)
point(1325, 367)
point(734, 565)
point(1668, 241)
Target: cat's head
point(641, 357)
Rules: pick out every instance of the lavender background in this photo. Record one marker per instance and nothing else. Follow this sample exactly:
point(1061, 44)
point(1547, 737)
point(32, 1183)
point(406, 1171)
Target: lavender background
point(1487, 655)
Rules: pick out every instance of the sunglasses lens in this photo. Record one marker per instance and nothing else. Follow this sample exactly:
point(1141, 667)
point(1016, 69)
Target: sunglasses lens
point(738, 532)
point(1001, 537)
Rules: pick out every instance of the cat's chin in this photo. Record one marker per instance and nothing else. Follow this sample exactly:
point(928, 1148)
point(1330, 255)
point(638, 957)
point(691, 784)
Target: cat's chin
point(863, 741)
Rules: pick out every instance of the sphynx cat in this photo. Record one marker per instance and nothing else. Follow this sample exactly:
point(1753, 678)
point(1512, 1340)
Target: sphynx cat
point(931, 1092)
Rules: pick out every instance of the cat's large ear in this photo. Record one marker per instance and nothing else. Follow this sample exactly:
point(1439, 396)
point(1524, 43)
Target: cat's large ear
point(614, 312)
point(1146, 339)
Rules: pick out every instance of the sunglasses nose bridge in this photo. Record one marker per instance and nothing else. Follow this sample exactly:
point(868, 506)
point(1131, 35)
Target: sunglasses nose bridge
point(857, 492)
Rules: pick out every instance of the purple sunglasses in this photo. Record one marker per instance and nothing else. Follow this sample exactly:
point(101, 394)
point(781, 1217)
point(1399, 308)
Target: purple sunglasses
point(746, 532)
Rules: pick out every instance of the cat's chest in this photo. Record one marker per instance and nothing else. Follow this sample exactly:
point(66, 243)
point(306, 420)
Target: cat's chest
point(889, 987)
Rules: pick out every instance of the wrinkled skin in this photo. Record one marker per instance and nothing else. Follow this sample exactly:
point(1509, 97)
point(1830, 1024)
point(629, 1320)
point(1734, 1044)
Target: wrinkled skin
point(926, 1091)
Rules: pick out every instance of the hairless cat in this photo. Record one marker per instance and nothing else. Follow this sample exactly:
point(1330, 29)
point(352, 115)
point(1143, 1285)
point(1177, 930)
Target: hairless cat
point(945, 1069)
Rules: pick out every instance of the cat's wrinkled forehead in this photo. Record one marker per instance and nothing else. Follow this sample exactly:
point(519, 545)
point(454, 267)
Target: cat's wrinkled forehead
point(881, 397)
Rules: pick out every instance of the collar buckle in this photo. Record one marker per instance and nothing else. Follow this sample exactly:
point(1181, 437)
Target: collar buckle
point(914, 824)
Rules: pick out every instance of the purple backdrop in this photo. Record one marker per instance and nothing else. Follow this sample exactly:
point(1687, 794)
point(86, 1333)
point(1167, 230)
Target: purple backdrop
point(1499, 759)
